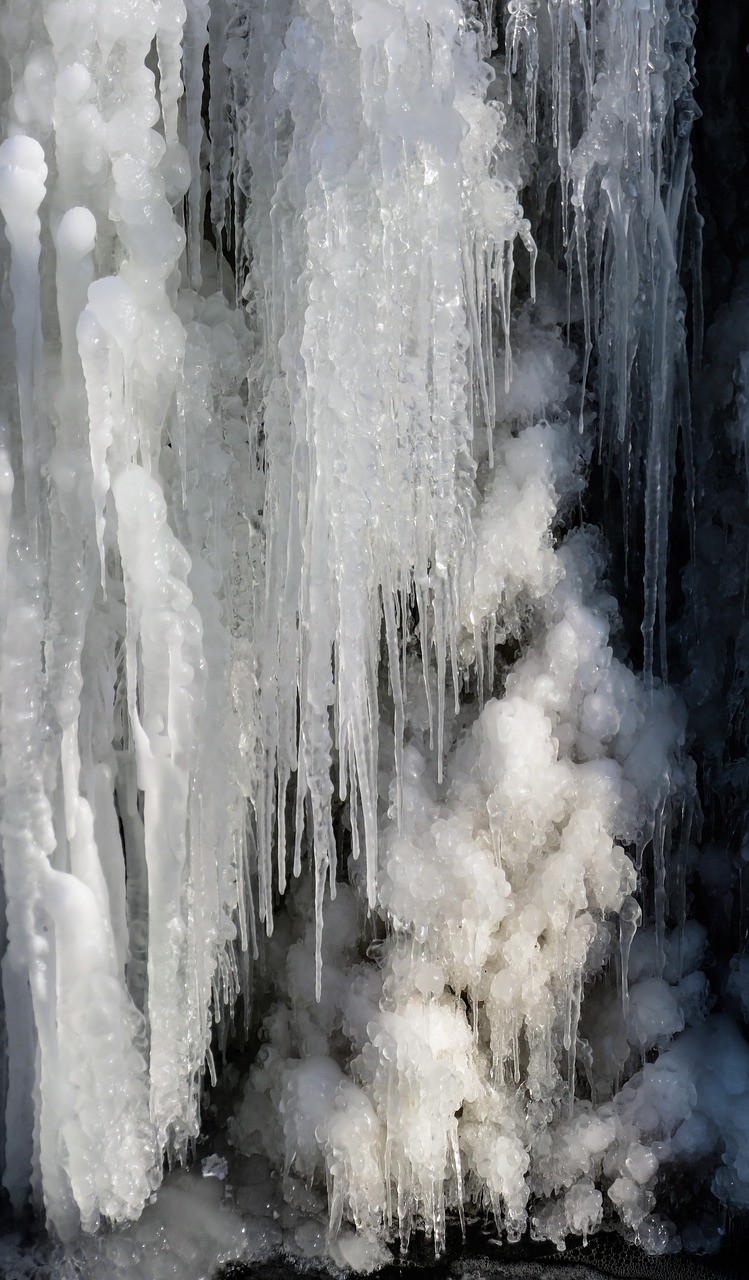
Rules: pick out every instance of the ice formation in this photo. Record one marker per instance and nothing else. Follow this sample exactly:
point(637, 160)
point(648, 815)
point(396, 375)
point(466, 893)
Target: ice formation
point(317, 316)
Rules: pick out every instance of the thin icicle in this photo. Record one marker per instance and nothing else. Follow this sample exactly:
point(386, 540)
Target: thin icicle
point(23, 174)
point(193, 52)
point(630, 915)
point(521, 35)
point(368, 456)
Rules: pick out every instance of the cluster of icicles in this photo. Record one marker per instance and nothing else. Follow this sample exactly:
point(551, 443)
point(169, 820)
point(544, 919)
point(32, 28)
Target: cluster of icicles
point(284, 599)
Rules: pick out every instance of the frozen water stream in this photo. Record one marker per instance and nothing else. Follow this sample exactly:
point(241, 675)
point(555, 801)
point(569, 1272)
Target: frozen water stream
point(320, 730)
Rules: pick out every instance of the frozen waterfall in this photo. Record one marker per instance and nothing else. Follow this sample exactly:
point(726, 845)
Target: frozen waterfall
point(335, 714)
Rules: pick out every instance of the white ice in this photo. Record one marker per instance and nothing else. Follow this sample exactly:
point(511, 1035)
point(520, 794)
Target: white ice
point(302, 632)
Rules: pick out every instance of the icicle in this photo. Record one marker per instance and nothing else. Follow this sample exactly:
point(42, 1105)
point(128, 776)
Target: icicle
point(195, 42)
point(75, 240)
point(218, 114)
point(582, 262)
point(23, 174)
point(170, 17)
point(562, 98)
point(107, 331)
point(398, 698)
point(7, 483)
point(630, 916)
point(576, 1000)
point(521, 33)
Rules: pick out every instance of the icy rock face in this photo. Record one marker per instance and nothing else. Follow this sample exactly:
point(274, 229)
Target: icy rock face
point(447, 1072)
point(123, 820)
point(293, 570)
